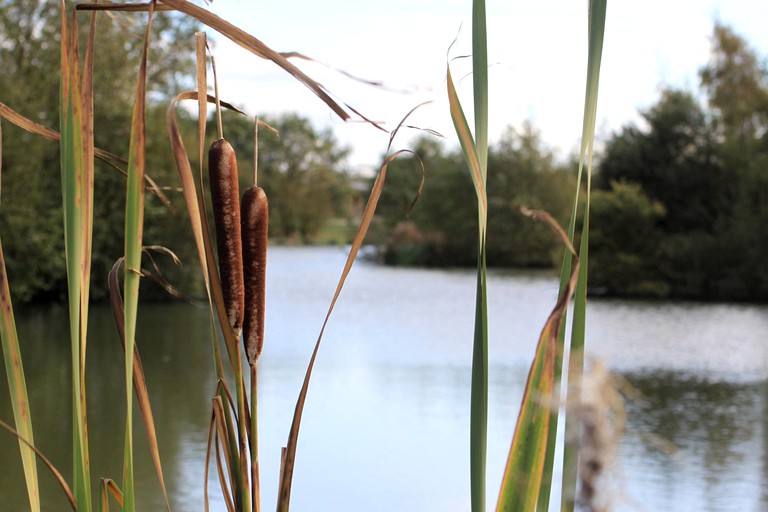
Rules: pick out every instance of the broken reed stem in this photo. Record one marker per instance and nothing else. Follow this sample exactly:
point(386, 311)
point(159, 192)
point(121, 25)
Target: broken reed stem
point(216, 94)
point(255, 485)
point(255, 150)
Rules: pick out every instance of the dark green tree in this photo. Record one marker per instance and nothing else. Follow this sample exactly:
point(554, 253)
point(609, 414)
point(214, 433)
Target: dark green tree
point(675, 161)
point(707, 168)
point(625, 242)
point(522, 171)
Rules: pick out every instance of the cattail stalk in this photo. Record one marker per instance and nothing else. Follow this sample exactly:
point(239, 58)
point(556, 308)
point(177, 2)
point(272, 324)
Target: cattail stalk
point(255, 220)
point(225, 191)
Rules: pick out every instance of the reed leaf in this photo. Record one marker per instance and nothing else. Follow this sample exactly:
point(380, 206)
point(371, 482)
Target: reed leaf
point(17, 385)
point(475, 151)
point(256, 47)
point(524, 470)
point(139, 380)
point(195, 203)
point(134, 228)
point(73, 195)
point(597, 12)
point(288, 458)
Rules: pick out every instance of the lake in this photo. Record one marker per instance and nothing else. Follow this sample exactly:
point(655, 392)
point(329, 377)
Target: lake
point(386, 423)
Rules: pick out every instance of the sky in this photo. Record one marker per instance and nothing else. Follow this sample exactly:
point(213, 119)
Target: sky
point(537, 61)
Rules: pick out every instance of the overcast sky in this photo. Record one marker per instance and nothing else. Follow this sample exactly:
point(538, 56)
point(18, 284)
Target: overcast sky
point(537, 57)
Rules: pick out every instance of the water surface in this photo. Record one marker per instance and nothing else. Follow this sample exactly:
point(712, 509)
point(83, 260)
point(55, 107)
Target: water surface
point(386, 422)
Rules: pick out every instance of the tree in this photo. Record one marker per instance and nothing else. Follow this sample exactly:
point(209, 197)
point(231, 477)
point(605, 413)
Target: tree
point(30, 216)
point(674, 160)
point(625, 240)
point(707, 168)
point(523, 171)
point(736, 83)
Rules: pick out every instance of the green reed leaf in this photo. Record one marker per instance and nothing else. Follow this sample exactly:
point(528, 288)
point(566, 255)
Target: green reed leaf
point(597, 12)
point(17, 386)
point(475, 151)
point(75, 243)
point(134, 229)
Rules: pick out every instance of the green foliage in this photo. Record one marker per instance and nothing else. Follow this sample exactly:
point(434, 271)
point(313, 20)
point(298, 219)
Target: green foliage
point(625, 240)
point(674, 160)
point(440, 231)
point(522, 171)
point(706, 168)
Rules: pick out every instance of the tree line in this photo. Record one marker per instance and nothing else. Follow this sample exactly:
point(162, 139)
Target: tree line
point(679, 206)
point(679, 203)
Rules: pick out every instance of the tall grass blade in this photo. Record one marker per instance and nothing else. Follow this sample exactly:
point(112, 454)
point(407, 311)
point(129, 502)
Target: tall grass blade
point(480, 80)
point(72, 175)
point(17, 386)
point(597, 12)
point(479, 392)
point(476, 158)
point(134, 228)
point(139, 380)
point(289, 451)
point(87, 186)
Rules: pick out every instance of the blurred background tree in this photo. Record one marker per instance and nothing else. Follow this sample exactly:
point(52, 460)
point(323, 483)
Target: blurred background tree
point(707, 167)
point(30, 215)
point(441, 229)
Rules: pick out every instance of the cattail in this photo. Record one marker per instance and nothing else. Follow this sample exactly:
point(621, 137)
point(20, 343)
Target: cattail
point(225, 192)
point(255, 219)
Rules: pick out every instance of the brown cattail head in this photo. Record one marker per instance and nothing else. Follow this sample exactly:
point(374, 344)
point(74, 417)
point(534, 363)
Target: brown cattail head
point(225, 193)
point(255, 220)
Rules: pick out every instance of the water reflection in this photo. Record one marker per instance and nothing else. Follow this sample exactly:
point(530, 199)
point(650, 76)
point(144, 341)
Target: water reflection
point(700, 444)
